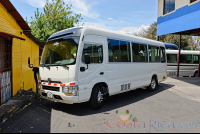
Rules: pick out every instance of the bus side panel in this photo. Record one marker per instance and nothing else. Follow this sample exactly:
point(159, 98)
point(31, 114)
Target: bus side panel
point(160, 71)
point(122, 74)
point(187, 70)
point(184, 69)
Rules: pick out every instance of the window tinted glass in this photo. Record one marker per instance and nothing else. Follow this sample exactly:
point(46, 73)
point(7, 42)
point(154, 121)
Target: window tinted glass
point(162, 54)
point(125, 51)
point(113, 50)
point(139, 52)
point(154, 54)
point(95, 52)
point(195, 59)
point(192, 1)
point(171, 58)
point(119, 51)
point(169, 6)
point(60, 52)
point(185, 58)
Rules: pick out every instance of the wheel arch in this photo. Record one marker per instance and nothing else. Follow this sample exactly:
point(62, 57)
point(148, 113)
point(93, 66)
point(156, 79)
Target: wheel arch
point(104, 84)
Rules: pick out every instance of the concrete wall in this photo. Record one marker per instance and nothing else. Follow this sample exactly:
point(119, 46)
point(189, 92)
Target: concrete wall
point(23, 77)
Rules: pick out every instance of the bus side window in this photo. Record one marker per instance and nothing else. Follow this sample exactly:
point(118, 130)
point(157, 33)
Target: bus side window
point(114, 50)
point(119, 51)
point(171, 58)
point(95, 52)
point(186, 59)
point(139, 52)
point(196, 59)
point(162, 54)
point(154, 54)
point(125, 51)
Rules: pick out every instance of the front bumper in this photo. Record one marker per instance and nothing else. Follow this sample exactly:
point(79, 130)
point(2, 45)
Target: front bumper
point(58, 96)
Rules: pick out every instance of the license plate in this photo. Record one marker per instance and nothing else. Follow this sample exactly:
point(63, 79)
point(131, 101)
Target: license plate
point(49, 95)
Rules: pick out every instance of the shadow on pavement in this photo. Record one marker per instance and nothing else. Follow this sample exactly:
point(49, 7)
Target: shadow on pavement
point(114, 102)
point(36, 118)
point(190, 80)
point(33, 119)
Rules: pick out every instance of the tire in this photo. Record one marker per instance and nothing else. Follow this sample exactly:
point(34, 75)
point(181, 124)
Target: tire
point(96, 99)
point(153, 85)
point(196, 74)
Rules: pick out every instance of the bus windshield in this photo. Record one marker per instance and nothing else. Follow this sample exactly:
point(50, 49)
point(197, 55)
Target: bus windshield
point(60, 52)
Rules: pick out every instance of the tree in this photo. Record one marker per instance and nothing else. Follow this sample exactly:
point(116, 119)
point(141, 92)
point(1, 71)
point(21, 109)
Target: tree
point(151, 33)
point(56, 17)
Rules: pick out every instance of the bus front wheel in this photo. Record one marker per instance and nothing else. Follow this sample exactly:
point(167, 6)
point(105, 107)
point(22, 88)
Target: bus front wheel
point(96, 99)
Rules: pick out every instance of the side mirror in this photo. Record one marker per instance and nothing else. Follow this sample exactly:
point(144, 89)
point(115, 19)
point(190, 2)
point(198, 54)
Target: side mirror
point(30, 65)
point(87, 59)
point(28, 60)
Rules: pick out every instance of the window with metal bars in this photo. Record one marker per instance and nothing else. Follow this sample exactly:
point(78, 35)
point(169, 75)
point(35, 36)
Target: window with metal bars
point(5, 69)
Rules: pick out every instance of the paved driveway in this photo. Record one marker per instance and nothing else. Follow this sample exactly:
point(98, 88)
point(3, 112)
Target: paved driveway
point(174, 107)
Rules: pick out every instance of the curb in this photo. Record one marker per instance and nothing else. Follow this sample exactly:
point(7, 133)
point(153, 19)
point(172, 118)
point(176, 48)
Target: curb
point(21, 100)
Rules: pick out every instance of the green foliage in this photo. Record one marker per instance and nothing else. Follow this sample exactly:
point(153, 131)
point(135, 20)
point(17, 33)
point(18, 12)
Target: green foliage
point(57, 16)
point(174, 39)
point(151, 33)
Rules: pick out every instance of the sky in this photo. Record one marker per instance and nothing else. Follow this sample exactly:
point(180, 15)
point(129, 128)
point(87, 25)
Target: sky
point(127, 16)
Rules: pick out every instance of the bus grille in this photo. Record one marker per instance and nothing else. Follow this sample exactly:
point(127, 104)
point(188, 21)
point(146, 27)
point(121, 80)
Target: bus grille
point(51, 88)
point(52, 81)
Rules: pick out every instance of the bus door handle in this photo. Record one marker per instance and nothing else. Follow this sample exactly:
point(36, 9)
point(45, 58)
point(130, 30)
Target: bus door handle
point(102, 73)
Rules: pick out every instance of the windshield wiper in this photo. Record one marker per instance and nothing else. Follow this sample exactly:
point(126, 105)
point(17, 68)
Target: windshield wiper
point(63, 65)
point(43, 65)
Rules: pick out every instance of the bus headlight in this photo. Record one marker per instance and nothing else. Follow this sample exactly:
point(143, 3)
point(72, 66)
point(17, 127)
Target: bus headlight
point(65, 90)
point(70, 91)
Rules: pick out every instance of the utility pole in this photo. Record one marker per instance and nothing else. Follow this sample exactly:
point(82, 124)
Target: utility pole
point(179, 56)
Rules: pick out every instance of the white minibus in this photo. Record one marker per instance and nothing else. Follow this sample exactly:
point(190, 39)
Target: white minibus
point(189, 63)
point(90, 64)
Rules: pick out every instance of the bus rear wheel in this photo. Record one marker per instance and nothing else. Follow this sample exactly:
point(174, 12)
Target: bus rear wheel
point(196, 74)
point(152, 87)
point(96, 99)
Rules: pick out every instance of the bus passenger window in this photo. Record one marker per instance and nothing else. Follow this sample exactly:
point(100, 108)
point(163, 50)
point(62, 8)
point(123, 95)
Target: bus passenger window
point(154, 54)
point(113, 50)
point(95, 52)
point(171, 58)
point(125, 51)
point(139, 52)
point(196, 59)
point(186, 59)
point(162, 54)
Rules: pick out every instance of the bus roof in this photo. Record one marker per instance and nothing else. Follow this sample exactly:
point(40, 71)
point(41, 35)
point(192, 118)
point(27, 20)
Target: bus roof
point(119, 35)
point(107, 33)
point(182, 52)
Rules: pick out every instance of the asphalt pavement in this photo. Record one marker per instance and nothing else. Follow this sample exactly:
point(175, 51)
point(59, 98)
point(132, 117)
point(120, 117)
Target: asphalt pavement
point(173, 107)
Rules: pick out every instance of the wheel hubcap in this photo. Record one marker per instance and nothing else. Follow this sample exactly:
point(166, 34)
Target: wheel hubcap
point(100, 97)
point(153, 84)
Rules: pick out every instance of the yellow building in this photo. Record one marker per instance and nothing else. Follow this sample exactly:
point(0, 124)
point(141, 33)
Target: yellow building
point(16, 45)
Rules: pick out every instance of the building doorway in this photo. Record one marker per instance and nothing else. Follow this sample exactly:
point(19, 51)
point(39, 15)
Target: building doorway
point(5, 69)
